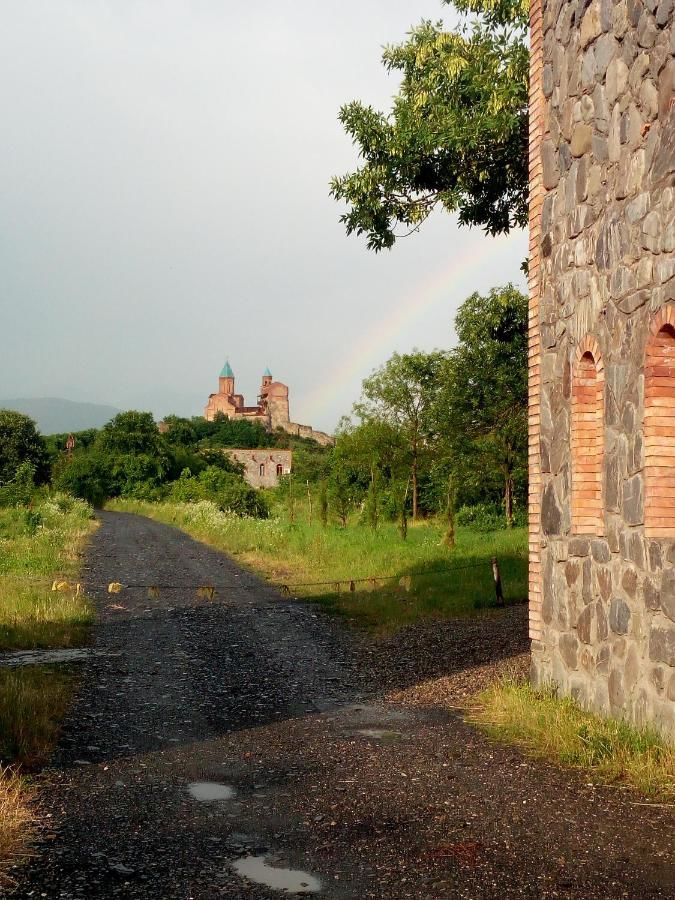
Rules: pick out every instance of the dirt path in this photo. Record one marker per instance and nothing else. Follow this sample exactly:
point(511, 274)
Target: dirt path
point(283, 710)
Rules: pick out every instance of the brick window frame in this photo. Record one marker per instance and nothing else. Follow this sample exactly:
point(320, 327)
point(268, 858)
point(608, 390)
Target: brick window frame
point(659, 425)
point(587, 438)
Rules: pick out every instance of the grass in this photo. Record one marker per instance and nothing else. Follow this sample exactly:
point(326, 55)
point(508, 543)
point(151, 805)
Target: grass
point(558, 729)
point(37, 546)
point(298, 554)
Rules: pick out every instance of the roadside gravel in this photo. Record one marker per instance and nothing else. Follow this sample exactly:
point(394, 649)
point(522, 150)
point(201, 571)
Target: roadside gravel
point(343, 758)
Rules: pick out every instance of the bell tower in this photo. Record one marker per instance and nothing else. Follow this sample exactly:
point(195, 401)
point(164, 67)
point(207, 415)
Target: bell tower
point(226, 380)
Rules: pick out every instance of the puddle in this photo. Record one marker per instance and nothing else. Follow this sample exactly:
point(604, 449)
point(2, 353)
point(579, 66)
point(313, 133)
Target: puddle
point(47, 657)
point(380, 734)
point(293, 881)
point(210, 791)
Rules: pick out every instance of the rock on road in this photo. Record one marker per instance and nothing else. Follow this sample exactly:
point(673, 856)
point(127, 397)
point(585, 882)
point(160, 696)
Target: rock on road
point(216, 744)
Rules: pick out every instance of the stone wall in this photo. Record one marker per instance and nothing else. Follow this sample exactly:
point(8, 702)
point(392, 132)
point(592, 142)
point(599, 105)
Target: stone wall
point(270, 461)
point(604, 272)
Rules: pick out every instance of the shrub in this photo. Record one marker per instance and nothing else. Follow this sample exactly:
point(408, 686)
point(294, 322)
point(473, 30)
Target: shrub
point(487, 517)
point(227, 490)
point(19, 490)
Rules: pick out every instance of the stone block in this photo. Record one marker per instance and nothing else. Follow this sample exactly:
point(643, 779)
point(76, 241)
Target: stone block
point(551, 514)
point(619, 616)
point(664, 12)
point(604, 578)
point(568, 646)
point(651, 595)
point(668, 593)
point(647, 30)
point(620, 20)
point(615, 685)
point(655, 556)
point(634, 301)
point(550, 165)
point(591, 26)
point(662, 644)
point(632, 501)
point(631, 669)
point(657, 676)
point(582, 139)
point(637, 209)
point(629, 582)
point(670, 690)
point(578, 546)
point(600, 551)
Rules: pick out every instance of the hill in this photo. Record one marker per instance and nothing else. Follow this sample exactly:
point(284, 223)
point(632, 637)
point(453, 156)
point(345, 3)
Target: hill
point(55, 415)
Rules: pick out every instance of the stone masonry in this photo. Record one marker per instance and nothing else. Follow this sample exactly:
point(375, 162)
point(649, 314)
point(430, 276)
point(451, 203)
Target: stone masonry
point(602, 354)
point(263, 467)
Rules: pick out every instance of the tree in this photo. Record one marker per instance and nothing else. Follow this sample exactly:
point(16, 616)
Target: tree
point(20, 442)
point(482, 409)
point(457, 134)
point(131, 432)
point(402, 395)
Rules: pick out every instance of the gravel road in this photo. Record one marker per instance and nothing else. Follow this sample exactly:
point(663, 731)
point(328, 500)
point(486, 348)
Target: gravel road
point(215, 743)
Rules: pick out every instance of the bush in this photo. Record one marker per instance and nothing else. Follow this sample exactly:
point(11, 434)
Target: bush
point(228, 491)
point(19, 490)
point(481, 517)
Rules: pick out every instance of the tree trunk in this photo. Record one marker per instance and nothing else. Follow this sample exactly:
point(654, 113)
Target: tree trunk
point(413, 477)
point(508, 500)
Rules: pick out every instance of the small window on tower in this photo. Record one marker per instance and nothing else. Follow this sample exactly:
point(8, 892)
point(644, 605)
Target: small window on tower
point(280, 469)
point(262, 470)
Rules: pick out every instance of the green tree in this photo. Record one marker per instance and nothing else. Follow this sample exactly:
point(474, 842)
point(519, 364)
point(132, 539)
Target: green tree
point(457, 134)
point(481, 411)
point(402, 395)
point(131, 432)
point(20, 442)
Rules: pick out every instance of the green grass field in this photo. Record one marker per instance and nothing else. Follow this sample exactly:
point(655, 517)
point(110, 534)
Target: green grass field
point(372, 577)
point(38, 546)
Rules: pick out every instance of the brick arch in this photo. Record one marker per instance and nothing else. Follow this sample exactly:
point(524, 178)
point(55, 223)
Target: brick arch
point(659, 425)
point(587, 438)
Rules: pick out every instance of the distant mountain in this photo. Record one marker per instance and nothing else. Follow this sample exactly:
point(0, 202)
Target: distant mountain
point(54, 415)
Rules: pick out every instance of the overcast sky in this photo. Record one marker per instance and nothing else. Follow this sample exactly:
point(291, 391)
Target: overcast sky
point(164, 205)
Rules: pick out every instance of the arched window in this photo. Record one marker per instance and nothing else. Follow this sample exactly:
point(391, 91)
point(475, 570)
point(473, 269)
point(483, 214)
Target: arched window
point(261, 471)
point(280, 469)
point(659, 426)
point(587, 432)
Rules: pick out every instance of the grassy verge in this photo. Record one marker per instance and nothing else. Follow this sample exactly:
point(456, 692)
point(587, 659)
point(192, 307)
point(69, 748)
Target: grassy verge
point(37, 545)
point(296, 553)
point(558, 729)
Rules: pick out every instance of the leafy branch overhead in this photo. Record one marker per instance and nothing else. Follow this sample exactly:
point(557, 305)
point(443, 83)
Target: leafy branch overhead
point(456, 135)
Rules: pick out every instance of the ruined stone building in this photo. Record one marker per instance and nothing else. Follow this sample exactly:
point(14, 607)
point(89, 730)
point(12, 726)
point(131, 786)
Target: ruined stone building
point(263, 467)
point(602, 354)
point(271, 409)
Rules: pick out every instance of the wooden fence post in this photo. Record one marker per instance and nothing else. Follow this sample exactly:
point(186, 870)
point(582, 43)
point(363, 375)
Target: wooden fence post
point(498, 582)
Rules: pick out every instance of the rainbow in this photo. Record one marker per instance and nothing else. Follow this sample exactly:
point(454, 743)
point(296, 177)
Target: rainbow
point(376, 345)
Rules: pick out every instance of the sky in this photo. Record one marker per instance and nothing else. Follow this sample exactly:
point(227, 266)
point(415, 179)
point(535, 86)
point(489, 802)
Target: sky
point(164, 205)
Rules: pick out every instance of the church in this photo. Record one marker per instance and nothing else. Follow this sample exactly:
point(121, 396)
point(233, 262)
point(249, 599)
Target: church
point(271, 409)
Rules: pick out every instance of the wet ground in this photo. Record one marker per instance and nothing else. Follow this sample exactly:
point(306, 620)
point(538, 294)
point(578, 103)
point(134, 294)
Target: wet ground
point(244, 746)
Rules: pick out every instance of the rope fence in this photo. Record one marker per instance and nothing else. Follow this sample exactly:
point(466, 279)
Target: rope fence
point(208, 591)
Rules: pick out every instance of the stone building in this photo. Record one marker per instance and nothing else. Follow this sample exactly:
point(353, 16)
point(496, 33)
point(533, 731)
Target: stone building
point(271, 410)
point(602, 354)
point(263, 467)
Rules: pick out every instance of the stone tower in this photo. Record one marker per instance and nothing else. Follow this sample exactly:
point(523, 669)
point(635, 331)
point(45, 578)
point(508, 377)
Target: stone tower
point(602, 354)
